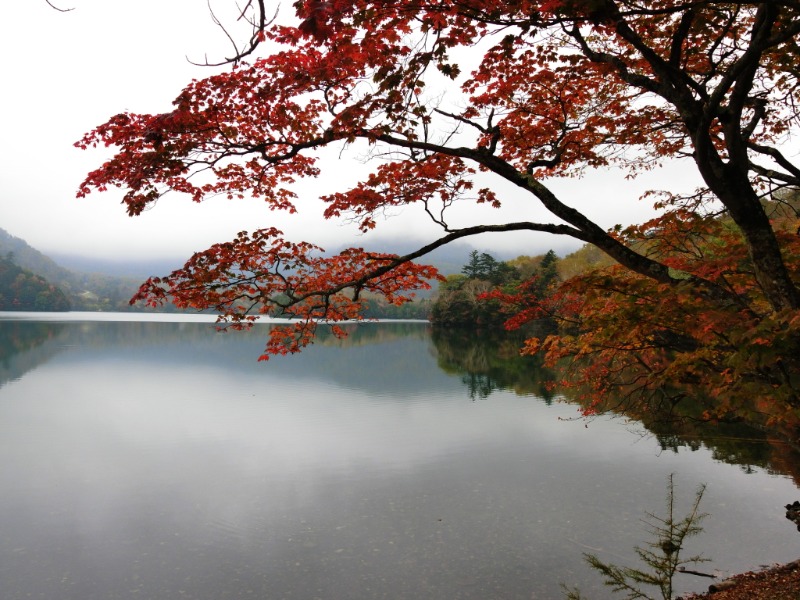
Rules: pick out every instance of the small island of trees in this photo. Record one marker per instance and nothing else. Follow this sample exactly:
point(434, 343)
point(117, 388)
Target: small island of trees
point(465, 299)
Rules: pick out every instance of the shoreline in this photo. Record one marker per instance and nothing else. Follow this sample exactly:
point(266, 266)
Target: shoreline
point(776, 582)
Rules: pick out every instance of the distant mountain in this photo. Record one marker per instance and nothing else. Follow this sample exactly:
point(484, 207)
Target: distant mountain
point(31, 259)
point(85, 291)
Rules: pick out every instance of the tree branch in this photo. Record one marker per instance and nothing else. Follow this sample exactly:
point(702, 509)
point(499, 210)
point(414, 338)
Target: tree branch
point(260, 23)
point(57, 8)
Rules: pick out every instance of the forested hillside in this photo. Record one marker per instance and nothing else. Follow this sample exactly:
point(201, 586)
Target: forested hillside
point(84, 291)
point(22, 290)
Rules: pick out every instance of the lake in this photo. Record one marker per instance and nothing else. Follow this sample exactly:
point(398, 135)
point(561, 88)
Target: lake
point(153, 457)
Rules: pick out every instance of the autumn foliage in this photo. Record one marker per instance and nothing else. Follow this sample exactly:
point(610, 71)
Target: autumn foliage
point(449, 98)
point(633, 345)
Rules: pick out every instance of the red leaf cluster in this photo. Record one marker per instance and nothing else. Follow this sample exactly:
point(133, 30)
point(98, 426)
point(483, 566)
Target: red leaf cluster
point(263, 274)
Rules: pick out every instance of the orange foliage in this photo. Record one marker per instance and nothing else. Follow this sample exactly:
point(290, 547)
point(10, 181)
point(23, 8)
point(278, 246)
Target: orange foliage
point(649, 345)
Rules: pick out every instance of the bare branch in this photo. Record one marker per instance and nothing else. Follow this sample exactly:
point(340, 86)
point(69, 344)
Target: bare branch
point(259, 22)
point(53, 6)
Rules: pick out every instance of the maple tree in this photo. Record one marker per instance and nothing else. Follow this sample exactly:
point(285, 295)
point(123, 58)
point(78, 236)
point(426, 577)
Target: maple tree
point(554, 88)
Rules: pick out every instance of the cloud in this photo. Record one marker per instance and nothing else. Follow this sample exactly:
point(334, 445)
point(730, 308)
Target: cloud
point(68, 72)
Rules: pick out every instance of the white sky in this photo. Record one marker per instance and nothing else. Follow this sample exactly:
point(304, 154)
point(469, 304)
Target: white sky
point(65, 73)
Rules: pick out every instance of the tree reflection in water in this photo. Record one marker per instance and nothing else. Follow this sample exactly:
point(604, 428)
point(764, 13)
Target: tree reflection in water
point(484, 361)
point(23, 347)
point(491, 361)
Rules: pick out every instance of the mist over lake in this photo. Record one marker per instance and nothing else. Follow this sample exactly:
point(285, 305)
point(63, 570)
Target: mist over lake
point(157, 459)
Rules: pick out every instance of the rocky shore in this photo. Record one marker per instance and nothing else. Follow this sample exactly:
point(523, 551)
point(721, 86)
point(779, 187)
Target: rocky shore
point(779, 582)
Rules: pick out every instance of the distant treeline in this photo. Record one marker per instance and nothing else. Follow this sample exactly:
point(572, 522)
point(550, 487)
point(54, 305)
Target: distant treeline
point(464, 300)
point(479, 295)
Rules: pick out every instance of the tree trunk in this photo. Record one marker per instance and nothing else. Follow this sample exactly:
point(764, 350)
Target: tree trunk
point(732, 186)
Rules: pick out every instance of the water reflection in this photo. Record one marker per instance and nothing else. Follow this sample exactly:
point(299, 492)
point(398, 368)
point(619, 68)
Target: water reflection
point(22, 347)
point(490, 361)
point(160, 460)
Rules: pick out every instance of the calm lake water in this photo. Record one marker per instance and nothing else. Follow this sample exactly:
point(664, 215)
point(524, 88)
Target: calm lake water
point(160, 460)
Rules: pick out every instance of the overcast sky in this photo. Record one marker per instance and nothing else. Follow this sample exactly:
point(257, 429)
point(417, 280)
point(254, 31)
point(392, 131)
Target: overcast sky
point(65, 73)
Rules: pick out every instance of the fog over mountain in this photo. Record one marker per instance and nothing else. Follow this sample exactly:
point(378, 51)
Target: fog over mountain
point(137, 268)
point(448, 259)
point(86, 289)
